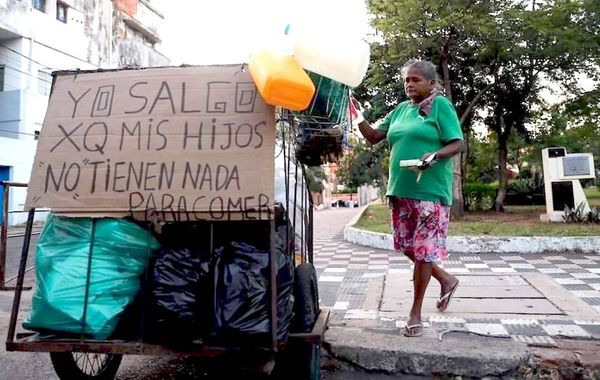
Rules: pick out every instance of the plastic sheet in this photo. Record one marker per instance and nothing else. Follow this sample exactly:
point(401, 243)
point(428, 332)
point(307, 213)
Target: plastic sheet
point(297, 186)
point(119, 255)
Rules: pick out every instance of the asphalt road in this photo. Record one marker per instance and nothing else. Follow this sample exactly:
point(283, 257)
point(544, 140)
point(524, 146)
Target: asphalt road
point(14, 248)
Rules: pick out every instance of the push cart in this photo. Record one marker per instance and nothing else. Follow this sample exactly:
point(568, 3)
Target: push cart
point(84, 358)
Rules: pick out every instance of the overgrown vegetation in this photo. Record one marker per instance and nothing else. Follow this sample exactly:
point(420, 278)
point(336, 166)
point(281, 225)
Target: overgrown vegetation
point(579, 214)
point(479, 196)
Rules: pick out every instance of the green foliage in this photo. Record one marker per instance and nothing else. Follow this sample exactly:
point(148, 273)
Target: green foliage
point(579, 215)
point(482, 161)
point(575, 214)
point(347, 190)
point(572, 124)
point(499, 56)
point(453, 35)
point(593, 196)
point(526, 191)
point(523, 186)
point(593, 216)
point(365, 164)
point(315, 177)
point(479, 196)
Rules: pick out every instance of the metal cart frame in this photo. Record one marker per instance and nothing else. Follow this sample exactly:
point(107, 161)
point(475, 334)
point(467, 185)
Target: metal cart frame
point(32, 342)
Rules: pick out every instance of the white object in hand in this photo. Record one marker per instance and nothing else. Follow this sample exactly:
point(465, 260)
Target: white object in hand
point(415, 165)
point(409, 163)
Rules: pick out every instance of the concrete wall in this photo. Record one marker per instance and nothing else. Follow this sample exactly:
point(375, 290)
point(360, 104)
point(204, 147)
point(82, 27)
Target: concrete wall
point(36, 43)
point(10, 113)
point(81, 42)
point(136, 29)
point(367, 194)
point(18, 155)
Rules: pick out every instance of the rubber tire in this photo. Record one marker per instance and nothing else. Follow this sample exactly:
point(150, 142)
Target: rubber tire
point(306, 298)
point(66, 368)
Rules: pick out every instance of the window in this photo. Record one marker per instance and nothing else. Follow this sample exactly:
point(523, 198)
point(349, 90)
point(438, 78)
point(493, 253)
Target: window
point(44, 82)
point(40, 5)
point(61, 12)
point(1, 77)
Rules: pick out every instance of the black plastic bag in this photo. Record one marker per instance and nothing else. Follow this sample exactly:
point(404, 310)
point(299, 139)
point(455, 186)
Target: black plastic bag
point(242, 294)
point(179, 303)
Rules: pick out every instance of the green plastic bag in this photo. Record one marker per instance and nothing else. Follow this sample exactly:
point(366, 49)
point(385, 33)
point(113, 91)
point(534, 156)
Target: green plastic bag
point(119, 257)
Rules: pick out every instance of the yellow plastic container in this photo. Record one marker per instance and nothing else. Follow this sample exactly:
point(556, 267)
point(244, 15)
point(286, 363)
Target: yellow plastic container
point(280, 80)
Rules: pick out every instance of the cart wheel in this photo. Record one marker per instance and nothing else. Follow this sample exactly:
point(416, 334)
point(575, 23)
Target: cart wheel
point(306, 298)
point(85, 365)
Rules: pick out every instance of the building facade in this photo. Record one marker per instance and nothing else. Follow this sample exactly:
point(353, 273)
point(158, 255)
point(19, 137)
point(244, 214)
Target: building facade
point(38, 37)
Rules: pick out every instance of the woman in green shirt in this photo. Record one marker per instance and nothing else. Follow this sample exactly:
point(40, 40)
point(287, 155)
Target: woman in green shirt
point(424, 128)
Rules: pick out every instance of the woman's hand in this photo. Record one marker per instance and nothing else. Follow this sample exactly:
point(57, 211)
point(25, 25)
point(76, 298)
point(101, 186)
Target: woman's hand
point(370, 134)
point(356, 111)
point(427, 160)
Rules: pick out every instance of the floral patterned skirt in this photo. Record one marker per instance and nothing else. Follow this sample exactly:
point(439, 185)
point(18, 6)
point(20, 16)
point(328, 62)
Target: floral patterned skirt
point(420, 227)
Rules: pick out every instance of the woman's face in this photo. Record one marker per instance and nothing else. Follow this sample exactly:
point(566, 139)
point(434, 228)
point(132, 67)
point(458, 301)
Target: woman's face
point(416, 86)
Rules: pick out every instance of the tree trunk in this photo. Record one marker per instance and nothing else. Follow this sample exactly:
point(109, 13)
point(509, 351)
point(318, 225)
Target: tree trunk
point(444, 56)
point(384, 184)
point(458, 204)
point(502, 158)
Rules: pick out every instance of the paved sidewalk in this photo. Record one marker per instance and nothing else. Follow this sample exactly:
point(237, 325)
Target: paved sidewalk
point(533, 300)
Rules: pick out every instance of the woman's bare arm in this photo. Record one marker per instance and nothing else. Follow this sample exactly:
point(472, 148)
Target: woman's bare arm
point(449, 150)
point(371, 134)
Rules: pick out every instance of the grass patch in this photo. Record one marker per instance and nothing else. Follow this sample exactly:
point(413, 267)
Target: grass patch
point(376, 218)
point(516, 221)
point(461, 228)
point(593, 196)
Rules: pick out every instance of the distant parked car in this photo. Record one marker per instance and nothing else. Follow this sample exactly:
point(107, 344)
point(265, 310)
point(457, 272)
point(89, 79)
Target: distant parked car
point(351, 204)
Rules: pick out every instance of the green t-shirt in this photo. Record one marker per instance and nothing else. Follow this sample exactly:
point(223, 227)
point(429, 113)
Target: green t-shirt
point(410, 136)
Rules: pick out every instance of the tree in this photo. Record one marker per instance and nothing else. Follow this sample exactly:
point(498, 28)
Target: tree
point(450, 34)
point(365, 165)
point(534, 44)
point(572, 124)
point(495, 56)
point(315, 177)
point(482, 160)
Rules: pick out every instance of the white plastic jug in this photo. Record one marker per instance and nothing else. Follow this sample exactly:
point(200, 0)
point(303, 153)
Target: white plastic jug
point(331, 55)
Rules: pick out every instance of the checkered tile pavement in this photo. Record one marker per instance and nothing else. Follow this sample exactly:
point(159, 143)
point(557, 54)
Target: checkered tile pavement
point(344, 270)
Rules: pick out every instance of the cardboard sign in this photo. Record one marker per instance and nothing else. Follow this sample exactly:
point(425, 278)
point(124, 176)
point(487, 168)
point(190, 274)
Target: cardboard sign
point(197, 141)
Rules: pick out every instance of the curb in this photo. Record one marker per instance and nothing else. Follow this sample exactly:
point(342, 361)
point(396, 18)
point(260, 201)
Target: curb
point(483, 244)
point(455, 355)
point(356, 350)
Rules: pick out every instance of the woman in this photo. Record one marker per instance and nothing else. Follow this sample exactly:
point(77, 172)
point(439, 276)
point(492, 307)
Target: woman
point(425, 127)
